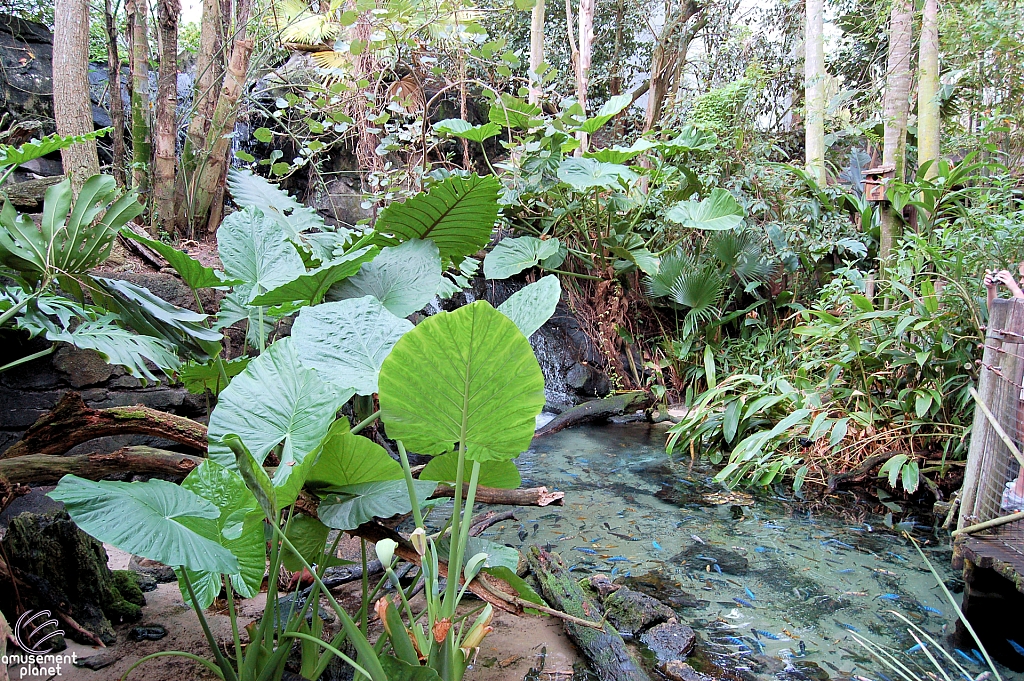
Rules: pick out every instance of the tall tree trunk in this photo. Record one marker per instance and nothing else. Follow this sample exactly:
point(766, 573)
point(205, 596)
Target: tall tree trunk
point(586, 35)
point(929, 124)
point(166, 119)
point(71, 106)
point(895, 111)
point(669, 55)
point(536, 49)
point(114, 84)
point(210, 184)
point(814, 91)
point(142, 147)
point(615, 77)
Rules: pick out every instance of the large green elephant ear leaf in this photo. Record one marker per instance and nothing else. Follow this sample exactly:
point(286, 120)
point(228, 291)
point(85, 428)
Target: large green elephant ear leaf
point(718, 211)
point(444, 468)
point(531, 306)
point(457, 215)
point(154, 519)
point(250, 190)
point(513, 255)
point(464, 377)
point(239, 529)
point(275, 401)
point(256, 250)
point(309, 288)
point(347, 341)
point(348, 507)
point(347, 459)
point(404, 278)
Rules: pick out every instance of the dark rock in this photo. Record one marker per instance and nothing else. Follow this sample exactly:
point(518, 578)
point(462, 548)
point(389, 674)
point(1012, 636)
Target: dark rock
point(669, 641)
point(677, 670)
point(146, 581)
point(667, 591)
point(603, 586)
point(159, 572)
point(172, 289)
point(588, 381)
point(339, 201)
point(26, 55)
point(699, 556)
point(82, 367)
point(147, 632)
point(22, 409)
point(66, 567)
point(28, 195)
point(100, 660)
point(632, 612)
point(44, 167)
point(35, 501)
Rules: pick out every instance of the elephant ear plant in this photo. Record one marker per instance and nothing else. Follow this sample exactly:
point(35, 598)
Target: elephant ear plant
point(464, 386)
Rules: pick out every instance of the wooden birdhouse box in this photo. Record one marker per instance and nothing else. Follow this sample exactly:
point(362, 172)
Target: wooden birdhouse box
point(876, 180)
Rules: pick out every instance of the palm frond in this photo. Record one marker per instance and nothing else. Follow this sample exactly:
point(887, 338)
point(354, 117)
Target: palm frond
point(671, 267)
point(742, 255)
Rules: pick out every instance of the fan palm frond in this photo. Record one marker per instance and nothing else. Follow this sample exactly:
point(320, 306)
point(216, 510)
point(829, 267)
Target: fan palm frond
point(299, 24)
point(670, 268)
point(741, 254)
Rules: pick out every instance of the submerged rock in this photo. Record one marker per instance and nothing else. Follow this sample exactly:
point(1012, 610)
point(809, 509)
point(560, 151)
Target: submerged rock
point(677, 670)
point(669, 641)
point(666, 590)
point(632, 612)
point(699, 556)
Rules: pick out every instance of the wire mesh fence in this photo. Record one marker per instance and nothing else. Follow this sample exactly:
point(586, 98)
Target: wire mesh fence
point(994, 479)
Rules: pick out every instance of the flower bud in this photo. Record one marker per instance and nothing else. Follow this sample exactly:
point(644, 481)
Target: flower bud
point(385, 549)
point(419, 540)
point(381, 608)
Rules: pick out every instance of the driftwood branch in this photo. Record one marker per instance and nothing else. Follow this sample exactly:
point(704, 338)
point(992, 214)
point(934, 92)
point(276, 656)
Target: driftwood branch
point(530, 496)
point(596, 410)
point(860, 473)
point(46, 469)
point(71, 423)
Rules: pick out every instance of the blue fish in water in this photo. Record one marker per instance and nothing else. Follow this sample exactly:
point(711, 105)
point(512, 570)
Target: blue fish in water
point(756, 644)
point(615, 571)
point(766, 634)
point(773, 526)
point(656, 545)
point(965, 656)
point(914, 649)
point(849, 627)
point(925, 608)
point(618, 559)
point(896, 556)
point(977, 656)
point(750, 593)
point(584, 549)
point(707, 558)
point(761, 549)
point(844, 572)
point(890, 597)
point(718, 568)
point(744, 603)
point(1016, 647)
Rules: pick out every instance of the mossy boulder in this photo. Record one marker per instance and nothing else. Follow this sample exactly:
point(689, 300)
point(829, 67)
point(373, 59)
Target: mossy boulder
point(67, 570)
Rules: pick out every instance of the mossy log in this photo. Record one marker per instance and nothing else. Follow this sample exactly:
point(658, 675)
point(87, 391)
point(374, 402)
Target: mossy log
point(605, 648)
point(595, 410)
point(46, 469)
point(71, 423)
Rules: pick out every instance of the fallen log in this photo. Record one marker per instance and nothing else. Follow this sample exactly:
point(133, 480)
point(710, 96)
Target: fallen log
point(595, 410)
point(529, 496)
point(860, 473)
point(71, 423)
point(46, 469)
point(604, 648)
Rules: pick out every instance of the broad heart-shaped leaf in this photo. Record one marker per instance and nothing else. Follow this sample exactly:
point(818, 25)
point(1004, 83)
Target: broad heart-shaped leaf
point(498, 555)
point(716, 212)
point(512, 256)
point(249, 190)
point(583, 174)
point(198, 378)
point(457, 215)
point(347, 341)
point(311, 287)
point(239, 529)
point(611, 108)
point(275, 400)
point(531, 306)
point(469, 366)
point(456, 127)
point(309, 536)
point(509, 112)
point(256, 250)
point(689, 138)
point(501, 474)
point(347, 459)
point(348, 507)
point(619, 154)
point(397, 669)
point(404, 278)
point(147, 519)
point(194, 273)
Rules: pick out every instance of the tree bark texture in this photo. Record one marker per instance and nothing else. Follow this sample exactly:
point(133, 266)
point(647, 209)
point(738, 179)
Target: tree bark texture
point(586, 36)
point(895, 111)
point(46, 469)
point(72, 108)
point(596, 410)
point(814, 91)
point(604, 648)
point(536, 49)
point(142, 147)
point(71, 423)
point(929, 124)
point(669, 56)
point(114, 86)
point(529, 496)
point(166, 136)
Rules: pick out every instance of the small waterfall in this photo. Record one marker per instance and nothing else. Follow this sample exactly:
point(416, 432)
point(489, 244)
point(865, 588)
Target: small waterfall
point(552, 357)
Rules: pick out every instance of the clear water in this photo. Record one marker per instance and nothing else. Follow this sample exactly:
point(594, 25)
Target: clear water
point(811, 578)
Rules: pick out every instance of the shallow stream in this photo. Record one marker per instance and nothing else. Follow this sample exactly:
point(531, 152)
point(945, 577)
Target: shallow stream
point(772, 589)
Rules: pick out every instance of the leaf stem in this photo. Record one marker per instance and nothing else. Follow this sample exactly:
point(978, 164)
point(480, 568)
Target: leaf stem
point(368, 421)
